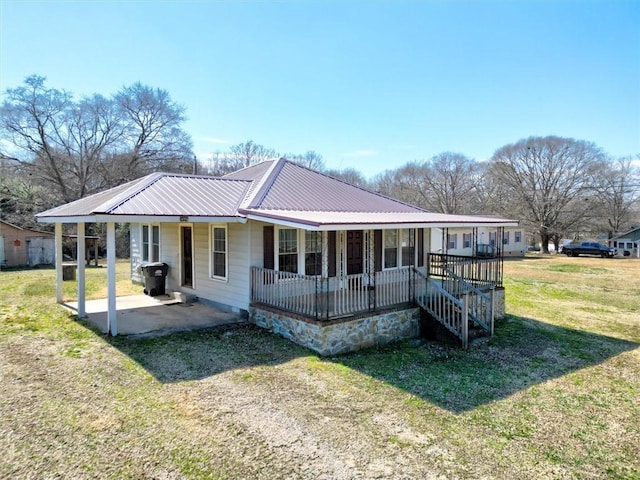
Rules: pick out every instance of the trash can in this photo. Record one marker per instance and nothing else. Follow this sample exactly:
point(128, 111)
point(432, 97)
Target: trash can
point(155, 275)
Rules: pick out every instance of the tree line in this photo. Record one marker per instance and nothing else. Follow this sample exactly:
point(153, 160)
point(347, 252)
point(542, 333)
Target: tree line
point(56, 149)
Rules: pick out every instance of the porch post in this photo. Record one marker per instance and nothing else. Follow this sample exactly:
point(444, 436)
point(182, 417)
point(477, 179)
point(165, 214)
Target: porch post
point(82, 253)
point(58, 242)
point(112, 319)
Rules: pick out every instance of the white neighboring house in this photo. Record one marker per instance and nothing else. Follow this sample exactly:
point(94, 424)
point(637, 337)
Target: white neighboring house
point(481, 241)
point(627, 244)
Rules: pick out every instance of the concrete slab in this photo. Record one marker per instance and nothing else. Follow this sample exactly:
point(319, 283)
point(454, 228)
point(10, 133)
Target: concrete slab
point(141, 314)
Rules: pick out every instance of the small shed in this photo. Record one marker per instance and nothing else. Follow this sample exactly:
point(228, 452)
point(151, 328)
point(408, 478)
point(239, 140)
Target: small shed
point(22, 246)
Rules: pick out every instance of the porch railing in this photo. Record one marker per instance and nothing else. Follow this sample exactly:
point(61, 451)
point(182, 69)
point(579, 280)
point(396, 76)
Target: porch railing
point(326, 298)
point(480, 272)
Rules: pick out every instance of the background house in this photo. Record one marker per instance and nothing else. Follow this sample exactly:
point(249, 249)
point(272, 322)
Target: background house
point(471, 241)
point(628, 243)
point(21, 246)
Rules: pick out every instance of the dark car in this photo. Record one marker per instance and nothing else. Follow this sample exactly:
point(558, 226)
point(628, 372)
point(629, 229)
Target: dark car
point(588, 248)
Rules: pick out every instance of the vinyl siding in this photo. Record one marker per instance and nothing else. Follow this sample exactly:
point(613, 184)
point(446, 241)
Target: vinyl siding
point(135, 237)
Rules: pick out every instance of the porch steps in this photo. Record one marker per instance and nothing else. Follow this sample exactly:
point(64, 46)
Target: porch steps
point(432, 329)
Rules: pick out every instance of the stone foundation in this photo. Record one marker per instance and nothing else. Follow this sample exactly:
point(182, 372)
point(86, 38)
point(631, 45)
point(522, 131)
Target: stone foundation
point(340, 336)
point(499, 303)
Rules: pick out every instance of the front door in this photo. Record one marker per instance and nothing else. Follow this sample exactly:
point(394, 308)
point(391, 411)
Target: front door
point(354, 252)
point(186, 237)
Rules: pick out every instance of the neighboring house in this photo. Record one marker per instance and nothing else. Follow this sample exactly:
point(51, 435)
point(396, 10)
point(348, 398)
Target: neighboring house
point(628, 243)
point(479, 241)
point(327, 264)
point(24, 247)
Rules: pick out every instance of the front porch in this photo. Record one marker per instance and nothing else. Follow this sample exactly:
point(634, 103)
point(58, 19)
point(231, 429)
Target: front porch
point(342, 313)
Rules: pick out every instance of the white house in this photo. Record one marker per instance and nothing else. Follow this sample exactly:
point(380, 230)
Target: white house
point(627, 244)
point(325, 263)
point(472, 241)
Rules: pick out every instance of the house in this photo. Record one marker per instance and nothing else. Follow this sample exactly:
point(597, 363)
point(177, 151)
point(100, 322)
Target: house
point(324, 263)
point(472, 241)
point(24, 247)
point(627, 244)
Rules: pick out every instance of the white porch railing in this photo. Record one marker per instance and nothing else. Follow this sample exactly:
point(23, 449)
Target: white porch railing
point(326, 298)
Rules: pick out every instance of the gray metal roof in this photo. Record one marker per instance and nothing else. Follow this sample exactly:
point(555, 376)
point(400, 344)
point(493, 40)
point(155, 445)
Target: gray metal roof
point(277, 190)
point(161, 194)
point(298, 188)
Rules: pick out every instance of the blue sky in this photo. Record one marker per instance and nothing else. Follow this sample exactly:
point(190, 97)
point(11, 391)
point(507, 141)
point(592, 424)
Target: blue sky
point(367, 84)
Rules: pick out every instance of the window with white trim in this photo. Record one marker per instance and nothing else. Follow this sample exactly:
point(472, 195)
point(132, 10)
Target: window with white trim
point(312, 253)
point(408, 249)
point(466, 240)
point(219, 251)
point(150, 243)
point(492, 238)
point(505, 238)
point(452, 241)
point(390, 248)
point(288, 250)
point(517, 237)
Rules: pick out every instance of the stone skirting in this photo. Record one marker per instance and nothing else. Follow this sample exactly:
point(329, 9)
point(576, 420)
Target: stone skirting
point(499, 305)
point(341, 336)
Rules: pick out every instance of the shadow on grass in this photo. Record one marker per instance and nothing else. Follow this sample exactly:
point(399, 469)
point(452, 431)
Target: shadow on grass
point(524, 352)
point(188, 356)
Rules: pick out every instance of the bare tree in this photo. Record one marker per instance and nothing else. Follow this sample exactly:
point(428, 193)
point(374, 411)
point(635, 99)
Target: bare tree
point(78, 147)
point(549, 180)
point(153, 137)
point(446, 183)
point(618, 194)
point(309, 159)
point(349, 175)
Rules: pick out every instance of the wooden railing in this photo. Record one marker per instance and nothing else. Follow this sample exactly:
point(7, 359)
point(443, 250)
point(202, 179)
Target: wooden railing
point(326, 298)
point(451, 312)
point(483, 273)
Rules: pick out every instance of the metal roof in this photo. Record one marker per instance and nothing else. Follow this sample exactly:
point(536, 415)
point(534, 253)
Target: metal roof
point(161, 194)
point(279, 191)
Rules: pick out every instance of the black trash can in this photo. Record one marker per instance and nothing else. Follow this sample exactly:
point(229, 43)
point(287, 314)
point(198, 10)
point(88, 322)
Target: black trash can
point(155, 275)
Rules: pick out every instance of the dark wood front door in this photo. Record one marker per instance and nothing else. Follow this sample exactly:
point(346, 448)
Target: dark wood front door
point(354, 252)
point(186, 237)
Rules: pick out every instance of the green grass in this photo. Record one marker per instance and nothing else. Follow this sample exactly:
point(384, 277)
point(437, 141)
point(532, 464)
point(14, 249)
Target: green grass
point(554, 395)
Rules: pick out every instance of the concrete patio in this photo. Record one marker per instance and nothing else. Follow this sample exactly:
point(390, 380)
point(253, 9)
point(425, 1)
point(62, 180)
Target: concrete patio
point(141, 314)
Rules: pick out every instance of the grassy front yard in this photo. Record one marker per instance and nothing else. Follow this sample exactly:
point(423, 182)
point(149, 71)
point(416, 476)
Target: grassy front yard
point(555, 395)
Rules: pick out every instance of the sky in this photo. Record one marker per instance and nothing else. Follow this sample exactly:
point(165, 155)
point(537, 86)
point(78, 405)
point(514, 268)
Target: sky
point(369, 85)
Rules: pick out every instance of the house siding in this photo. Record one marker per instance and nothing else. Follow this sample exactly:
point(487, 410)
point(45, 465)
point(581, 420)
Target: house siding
point(135, 239)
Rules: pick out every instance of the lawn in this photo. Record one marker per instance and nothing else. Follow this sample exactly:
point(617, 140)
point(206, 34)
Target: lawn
point(554, 395)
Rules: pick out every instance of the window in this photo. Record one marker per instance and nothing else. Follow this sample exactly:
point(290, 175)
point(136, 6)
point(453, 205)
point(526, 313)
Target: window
point(505, 238)
point(390, 248)
point(288, 250)
point(408, 249)
point(466, 240)
point(219, 252)
point(452, 241)
point(492, 238)
point(312, 253)
point(517, 237)
point(150, 243)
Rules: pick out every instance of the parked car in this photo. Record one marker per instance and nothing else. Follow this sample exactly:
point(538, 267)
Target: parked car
point(588, 248)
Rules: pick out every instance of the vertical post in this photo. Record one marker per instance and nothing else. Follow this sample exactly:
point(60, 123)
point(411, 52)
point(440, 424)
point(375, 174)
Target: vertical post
point(112, 319)
point(465, 321)
point(492, 307)
point(95, 251)
point(58, 242)
point(82, 251)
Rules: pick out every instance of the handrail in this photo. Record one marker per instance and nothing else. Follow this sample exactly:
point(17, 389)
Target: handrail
point(481, 311)
point(450, 311)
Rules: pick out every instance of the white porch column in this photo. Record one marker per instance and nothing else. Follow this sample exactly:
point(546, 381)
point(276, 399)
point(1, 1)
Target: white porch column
point(112, 319)
point(81, 256)
point(58, 242)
